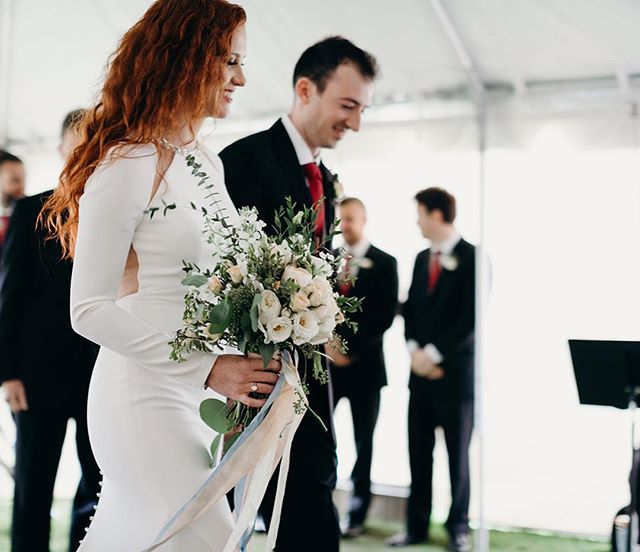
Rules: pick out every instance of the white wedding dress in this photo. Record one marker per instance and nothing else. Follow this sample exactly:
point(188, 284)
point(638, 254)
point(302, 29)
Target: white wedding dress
point(143, 418)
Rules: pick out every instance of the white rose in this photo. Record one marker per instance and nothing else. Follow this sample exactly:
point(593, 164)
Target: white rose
point(215, 285)
point(269, 306)
point(319, 291)
point(325, 330)
point(321, 267)
point(299, 302)
point(283, 251)
point(279, 329)
point(300, 276)
point(327, 311)
point(305, 327)
point(340, 319)
point(235, 273)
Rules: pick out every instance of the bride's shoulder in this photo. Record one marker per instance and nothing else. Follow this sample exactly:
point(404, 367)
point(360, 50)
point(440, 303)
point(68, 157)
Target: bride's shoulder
point(126, 168)
point(127, 160)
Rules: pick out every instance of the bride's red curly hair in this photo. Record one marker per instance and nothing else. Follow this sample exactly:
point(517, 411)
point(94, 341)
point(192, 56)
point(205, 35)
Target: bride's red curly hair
point(167, 70)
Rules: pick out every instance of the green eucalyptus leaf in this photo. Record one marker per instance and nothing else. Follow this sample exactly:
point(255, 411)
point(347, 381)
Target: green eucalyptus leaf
point(255, 311)
point(195, 280)
point(213, 449)
point(220, 316)
point(214, 413)
point(267, 351)
point(229, 442)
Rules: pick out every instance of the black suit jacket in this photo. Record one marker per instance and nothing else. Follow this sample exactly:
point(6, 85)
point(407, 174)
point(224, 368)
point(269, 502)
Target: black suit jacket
point(37, 344)
point(262, 170)
point(445, 318)
point(377, 286)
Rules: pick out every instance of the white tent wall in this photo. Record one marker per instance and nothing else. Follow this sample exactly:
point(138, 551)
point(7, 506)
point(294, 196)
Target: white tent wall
point(563, 216)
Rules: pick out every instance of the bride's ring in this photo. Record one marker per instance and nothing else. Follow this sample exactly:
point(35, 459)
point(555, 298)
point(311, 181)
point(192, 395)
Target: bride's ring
point(254, 387)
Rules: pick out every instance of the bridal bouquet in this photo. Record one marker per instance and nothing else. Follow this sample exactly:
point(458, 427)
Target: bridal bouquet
point(262, 295)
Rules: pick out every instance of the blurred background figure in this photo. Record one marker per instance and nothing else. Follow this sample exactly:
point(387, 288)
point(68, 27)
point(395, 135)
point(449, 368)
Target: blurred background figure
point(360, 374)
point(439, 327)
point(12, 183)
point(45, 369)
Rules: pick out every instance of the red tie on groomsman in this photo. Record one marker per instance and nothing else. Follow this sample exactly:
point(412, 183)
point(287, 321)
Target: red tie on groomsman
point(435, 268)
point(314, 178)
point(4, 226)
point(344, 278)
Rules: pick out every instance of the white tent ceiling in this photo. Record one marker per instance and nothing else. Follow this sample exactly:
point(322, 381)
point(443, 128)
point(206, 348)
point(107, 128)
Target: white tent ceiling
point(54, 52)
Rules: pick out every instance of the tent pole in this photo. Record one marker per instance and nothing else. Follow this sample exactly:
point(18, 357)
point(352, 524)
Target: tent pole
point(479, 98)
point(6, 43)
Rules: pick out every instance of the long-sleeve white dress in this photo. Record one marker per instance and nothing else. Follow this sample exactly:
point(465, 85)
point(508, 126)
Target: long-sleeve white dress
point(143, 417)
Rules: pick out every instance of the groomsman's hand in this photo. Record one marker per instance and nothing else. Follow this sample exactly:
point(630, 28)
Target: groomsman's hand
point(423, 366)
point(15, 395)
point(337, 357)
point(436, 374)
point(235, 376)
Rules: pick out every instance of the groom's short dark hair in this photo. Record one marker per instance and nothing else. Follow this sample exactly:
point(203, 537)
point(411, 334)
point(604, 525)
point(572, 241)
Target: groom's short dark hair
point(438, 199)
point(318, 62)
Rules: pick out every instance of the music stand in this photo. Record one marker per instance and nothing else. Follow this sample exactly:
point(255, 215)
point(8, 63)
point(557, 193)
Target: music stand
point(608, 374)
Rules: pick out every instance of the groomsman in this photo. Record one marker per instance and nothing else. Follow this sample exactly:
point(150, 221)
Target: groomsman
point(12, 184)
point(439, 327)
point(45, 369)
point(361, 373)
point(333, 84)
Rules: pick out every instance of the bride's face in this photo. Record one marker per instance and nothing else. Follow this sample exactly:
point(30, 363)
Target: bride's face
point(232, 71)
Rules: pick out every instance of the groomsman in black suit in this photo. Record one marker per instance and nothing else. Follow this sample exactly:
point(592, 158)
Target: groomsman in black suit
point(45, 369)
point(12, 183)
point(361, 373)
point(439, 327)
point(333, 84)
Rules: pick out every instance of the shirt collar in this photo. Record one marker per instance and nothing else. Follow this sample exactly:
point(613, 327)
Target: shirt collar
point(303, 151)
point(448, 245)
point(358, 250)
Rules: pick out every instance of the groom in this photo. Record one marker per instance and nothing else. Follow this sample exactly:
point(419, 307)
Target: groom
point(333, 84)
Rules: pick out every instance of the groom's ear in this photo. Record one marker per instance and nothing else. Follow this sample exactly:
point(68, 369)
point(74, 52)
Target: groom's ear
point(304, 89)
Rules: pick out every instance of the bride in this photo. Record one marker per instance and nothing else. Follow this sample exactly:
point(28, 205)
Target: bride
point(179, 64)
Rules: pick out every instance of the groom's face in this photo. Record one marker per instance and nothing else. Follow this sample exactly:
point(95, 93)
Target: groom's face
point(339, 107)
point(429, 221)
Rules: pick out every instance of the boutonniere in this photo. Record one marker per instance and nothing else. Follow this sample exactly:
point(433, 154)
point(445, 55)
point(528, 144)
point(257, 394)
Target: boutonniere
point(365, 263)
point(448, 262)
point(338, 188)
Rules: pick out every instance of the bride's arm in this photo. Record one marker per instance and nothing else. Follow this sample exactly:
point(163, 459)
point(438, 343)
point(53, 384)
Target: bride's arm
point(111, 208)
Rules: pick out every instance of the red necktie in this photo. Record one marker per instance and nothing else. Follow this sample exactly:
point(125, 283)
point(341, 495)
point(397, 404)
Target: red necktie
point(344, 282)
point(435, 268)
point(4, 226)
point(314, 178)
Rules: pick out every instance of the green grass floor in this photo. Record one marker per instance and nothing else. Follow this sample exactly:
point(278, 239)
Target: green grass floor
point(371, 541)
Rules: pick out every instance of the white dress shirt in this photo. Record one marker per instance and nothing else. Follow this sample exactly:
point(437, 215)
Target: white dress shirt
point(303, 151)
point(357, 252)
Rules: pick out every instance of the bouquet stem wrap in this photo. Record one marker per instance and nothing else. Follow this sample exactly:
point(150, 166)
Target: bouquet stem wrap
point(249, 465)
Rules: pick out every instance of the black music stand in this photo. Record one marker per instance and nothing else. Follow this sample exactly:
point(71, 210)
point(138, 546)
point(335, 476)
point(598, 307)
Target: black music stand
point(608, 374)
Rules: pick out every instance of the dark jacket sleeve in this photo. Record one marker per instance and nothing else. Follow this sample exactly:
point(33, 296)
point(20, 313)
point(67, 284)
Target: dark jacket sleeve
point(241, 175)
point(408, 307)
point(380, 318)
point(462, 330)
point(15, 280)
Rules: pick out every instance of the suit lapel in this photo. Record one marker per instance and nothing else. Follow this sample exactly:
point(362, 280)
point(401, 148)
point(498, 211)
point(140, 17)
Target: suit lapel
point(288, 160)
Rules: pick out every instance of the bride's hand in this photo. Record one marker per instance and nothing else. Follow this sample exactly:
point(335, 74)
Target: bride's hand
point(234, 376)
